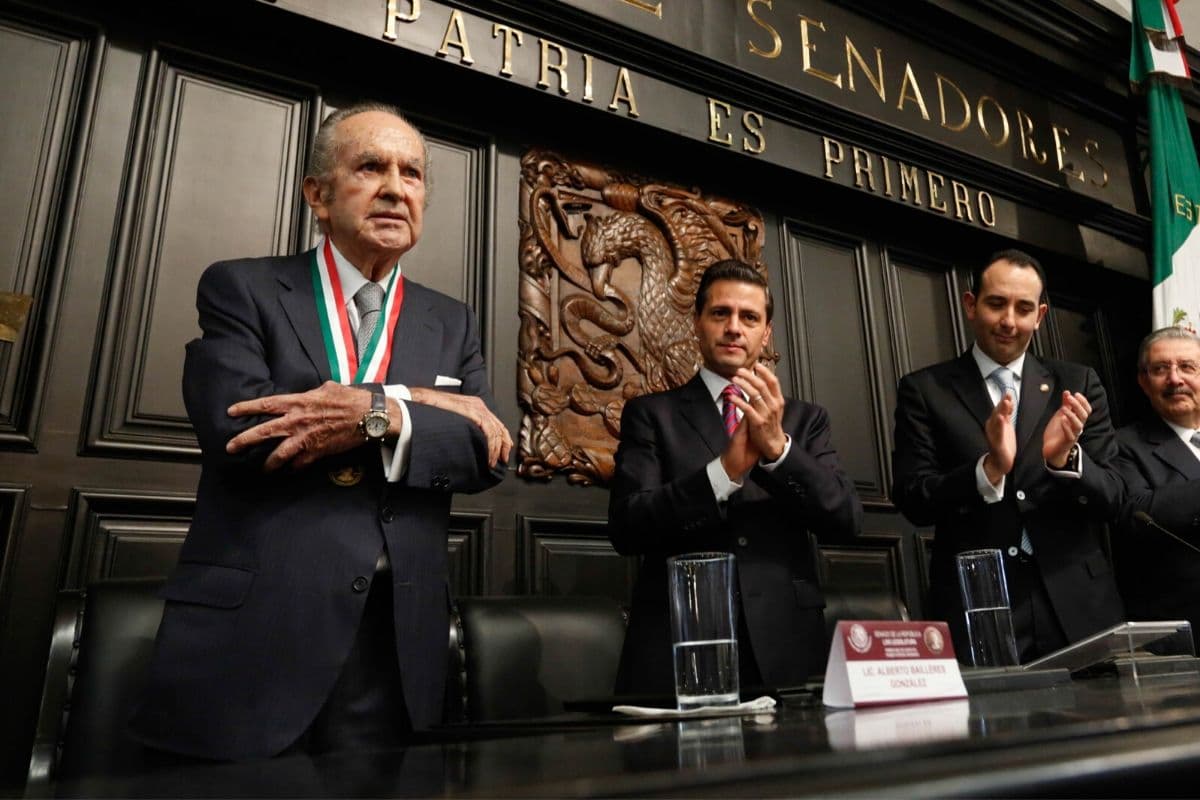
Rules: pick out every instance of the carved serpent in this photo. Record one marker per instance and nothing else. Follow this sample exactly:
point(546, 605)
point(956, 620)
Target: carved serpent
point(668, 355)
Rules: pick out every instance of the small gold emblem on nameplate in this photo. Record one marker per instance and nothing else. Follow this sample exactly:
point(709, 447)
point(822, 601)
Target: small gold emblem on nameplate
point(346, 476)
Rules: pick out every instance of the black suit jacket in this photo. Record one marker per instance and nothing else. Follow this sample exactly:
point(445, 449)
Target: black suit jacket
point(265, 602)
point(1158, 576)
point(662, 504)
point(940, 416)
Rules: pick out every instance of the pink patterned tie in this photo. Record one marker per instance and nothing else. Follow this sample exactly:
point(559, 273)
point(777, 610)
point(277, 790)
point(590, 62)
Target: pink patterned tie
point(728, 409)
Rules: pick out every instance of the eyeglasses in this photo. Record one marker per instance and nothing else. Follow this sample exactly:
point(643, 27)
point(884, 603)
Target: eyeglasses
point(1161, 369)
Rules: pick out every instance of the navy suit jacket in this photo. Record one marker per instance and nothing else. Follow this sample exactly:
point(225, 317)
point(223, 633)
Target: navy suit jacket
point(662, 504)
point(940, 415)
point(264, 603)
point(1158, 576)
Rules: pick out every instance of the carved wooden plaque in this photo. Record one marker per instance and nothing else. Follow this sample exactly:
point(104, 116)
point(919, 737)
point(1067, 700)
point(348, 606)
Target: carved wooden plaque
point(609, 269)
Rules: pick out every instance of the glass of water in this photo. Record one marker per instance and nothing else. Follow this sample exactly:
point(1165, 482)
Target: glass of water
point(704, 629)
point(989, 615)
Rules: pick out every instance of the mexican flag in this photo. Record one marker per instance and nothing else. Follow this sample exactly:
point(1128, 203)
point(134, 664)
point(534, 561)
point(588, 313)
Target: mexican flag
point(1158, 66)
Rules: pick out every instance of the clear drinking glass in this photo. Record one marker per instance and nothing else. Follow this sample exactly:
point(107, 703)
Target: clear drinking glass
point(704, 629)
point(989, 615)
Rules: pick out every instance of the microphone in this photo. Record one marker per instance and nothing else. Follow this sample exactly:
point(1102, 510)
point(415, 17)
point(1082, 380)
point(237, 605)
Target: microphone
point(1148, 521)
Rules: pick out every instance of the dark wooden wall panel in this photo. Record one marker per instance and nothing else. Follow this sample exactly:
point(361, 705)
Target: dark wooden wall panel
point(926, 316)
point(572, 557)
point(13, 500)
point(218, 179)
point(138, 535)
point(1077, 336)
point(873, 561)
point(115, 535)
point(823, 278)
point(468, 547)
point(41, 81)
point(449, 257)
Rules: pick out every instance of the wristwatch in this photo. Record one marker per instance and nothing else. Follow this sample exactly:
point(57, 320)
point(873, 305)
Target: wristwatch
point(1072, 464)
point(374, 424)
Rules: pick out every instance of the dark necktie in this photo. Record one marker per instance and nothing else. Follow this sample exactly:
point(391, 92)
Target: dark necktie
point(368, 300)
point(728, 409)
point(1195, 440)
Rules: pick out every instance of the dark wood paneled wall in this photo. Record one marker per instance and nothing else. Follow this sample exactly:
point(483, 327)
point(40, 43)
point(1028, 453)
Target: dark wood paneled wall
point(136, 149)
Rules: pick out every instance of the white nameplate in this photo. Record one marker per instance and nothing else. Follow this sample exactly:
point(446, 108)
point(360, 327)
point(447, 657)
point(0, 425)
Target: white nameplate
point(876, 662)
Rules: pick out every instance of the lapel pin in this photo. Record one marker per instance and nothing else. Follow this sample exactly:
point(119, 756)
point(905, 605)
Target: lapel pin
point(1045, 387)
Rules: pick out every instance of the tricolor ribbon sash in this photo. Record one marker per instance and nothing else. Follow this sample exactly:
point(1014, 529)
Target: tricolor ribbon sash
point(344, 366)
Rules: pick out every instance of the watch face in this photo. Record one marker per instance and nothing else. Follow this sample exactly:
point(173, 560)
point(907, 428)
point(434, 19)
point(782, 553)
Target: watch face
point(375, 425)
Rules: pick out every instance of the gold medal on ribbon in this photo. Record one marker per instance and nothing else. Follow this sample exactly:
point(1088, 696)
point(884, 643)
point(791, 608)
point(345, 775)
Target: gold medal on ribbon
point(346, 476)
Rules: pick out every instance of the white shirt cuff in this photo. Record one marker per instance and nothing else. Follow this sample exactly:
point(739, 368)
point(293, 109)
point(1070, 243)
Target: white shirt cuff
point(770, 466)
point(395, 457)
point(989, 493)
point(722, 485)
point(1066, 473)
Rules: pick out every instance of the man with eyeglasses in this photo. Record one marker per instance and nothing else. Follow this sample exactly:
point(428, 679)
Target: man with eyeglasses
point(1159, 461)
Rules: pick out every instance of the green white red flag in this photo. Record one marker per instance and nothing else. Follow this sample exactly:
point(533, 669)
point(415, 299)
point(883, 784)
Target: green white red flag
point(1158, 66)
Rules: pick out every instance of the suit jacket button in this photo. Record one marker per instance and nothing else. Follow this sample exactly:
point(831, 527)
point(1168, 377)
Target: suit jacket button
point(386, 514)
point(441, 482)
point(360, 584)
point(743, 541)
point(1012, 552)
point(1020, 494)
point(1083, 501)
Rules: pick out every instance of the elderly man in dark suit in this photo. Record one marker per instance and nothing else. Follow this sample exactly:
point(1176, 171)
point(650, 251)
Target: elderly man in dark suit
point(726, 462)
point(1001, 449)
point(338, 406)
point(1159, 460)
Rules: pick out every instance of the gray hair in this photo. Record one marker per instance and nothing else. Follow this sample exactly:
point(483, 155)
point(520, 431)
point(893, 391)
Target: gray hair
point(326, 146)
point(1173, 332)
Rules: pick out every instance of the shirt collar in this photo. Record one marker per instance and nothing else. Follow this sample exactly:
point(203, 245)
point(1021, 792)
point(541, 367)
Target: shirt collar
point(352, 280)
point(713, 382)
point(987, 366)
point(1181, 431)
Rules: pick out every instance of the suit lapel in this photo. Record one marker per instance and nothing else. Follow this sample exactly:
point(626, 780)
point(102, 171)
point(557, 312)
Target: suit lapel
point(1033, 402)
point(967, 383)
point(700, 411)
point(299, 303)
point(416, 346)
point(1171, 450)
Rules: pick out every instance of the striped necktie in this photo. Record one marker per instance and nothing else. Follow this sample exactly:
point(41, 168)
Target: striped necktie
point(728, 409)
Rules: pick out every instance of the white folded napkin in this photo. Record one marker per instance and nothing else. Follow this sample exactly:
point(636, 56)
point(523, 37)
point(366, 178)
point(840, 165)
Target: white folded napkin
point(757, 706)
